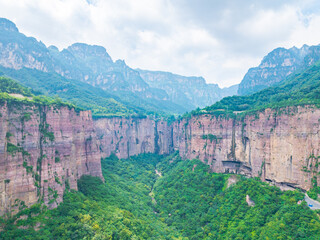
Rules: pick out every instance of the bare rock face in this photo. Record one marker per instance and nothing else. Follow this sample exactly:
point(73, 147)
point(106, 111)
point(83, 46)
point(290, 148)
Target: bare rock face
point(249, 201)
point(132, 136)
point(276, 145)
point(43, 151)
point(280, 146)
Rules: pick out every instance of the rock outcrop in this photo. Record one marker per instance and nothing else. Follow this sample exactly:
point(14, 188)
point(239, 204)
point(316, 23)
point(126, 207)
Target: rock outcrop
point(43, 151)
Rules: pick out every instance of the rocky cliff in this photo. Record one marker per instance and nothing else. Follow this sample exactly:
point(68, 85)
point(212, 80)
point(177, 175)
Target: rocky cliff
point(281, 146)
point(43, 151)
point(132, 136)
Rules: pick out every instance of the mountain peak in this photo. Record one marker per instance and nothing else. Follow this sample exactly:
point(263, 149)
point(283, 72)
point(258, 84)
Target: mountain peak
point(84, 50)
point(53, 48)
point(7, 25)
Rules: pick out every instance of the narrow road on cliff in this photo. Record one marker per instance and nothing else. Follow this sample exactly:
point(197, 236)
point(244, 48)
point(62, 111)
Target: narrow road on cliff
point(315, 204)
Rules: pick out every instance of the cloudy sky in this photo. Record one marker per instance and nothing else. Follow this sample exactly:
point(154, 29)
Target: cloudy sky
point(218, 40)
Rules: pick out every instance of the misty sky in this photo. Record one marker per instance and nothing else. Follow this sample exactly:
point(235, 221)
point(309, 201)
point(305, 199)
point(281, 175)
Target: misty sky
point(218, 40)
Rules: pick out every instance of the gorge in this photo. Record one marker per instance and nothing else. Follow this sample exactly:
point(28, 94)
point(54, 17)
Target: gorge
point(277, 145)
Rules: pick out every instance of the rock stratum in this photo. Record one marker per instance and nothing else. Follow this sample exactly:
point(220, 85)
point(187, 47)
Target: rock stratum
point(43, 151)
point(280, 146)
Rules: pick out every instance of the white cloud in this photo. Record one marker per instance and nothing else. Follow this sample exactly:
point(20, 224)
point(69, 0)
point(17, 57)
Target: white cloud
point(214, 39)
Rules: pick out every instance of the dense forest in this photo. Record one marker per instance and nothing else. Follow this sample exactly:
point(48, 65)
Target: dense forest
point(162, 197)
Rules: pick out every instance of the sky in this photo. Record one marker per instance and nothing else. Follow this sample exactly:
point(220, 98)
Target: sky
point(219, 40)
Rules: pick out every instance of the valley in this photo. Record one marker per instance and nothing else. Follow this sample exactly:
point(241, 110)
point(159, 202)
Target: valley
point(93, 149)
point(191, 202)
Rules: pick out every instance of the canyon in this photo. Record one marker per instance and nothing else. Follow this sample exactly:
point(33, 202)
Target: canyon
point(46, 149)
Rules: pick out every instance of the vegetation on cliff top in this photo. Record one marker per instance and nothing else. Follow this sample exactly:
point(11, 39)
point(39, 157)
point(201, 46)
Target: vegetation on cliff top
point(7, 85)
point(185, 201)
point(299, 89)
point(14, 93)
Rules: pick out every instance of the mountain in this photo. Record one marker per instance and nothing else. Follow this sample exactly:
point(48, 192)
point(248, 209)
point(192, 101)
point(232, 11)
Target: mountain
point(125, 89)
point(229, 135)
point(298, 89)
point(277, 66)
point(82, 64)
point(272, 134)
point(191, 92)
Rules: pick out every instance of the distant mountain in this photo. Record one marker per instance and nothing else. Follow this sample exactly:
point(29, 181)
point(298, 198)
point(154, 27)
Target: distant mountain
point(302, 88)
point(191, 92)
point(277, 66)
point(92, 64)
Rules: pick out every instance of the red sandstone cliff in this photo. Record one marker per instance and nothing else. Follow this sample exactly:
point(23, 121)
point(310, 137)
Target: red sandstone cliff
point(131, 136)
point(43, 150)
point(277, 145)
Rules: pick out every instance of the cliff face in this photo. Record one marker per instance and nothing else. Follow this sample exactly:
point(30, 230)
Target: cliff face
point(133, 136)
point(280, 146)
point(44, 150)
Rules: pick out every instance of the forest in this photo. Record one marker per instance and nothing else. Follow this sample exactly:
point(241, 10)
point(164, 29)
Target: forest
point(183, 199)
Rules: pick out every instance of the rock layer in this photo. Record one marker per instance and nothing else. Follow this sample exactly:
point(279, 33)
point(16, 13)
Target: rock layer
point(44, 150)
point(132, 136)
point(276, 145)
point(281, 146)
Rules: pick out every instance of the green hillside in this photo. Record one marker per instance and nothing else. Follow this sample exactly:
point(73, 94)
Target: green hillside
point(102, 103)
point(299, 89)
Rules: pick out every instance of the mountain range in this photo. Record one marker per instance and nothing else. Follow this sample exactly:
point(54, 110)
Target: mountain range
point(133, 89)
point(118, 171)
